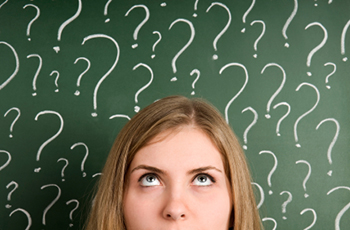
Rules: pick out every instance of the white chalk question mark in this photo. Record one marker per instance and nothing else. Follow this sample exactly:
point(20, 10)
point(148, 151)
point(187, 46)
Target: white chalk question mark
point(94, 114)
point(284, 205)
point(56, 79)
point(318, 47)
point(64, 24)
point(33, 20)
point(246, 14)
point(271, 219)
point(329, 151)
point(16, 69)
point(289, 20)
point(137, 108)
point(75, 208)
point(282, 118)
point(64, 167)
point(155, 44)
point(307, 176)
point(136, 31)
point(10, 193)
point(215, 57)
point(262, 195)
point(105, 12)
point(53, 202)
point(15, 120)
point(315, 217)
point(260, 36)
point(51, 138)
point(8, 159)
point(249, 126)
point(195, 71)
point(195, 8)
point(37, 71)
point(77, 92)
point(29, 218)
point(85, 157)
point(273, 168)
point(341, 212)
point(334, 69)
point(240, 91)
point(342, 41)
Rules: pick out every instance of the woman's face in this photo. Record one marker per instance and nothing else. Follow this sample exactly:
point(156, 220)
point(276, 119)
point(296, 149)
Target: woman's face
point(178, 183)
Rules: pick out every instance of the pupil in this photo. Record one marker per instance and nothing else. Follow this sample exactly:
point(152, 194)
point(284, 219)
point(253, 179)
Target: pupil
point(202, 178)
point(150, 178)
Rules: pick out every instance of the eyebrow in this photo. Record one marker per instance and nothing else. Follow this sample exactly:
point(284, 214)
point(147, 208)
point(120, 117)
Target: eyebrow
point(159, 171)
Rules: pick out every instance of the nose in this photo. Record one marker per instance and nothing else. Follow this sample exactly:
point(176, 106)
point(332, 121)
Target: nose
point(175, 207)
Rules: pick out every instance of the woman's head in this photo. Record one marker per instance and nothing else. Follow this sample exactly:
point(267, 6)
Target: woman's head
point(160, 126)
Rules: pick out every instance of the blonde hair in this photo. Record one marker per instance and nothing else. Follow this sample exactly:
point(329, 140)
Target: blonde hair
point(166, 114)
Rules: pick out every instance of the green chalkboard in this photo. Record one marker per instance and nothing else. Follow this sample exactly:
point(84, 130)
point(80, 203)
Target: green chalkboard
point(73, 72)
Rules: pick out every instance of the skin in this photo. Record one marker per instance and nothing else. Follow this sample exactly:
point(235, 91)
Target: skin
point(174, 199)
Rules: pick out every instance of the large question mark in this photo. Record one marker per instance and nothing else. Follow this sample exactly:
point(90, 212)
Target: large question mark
point(37, 71)
point(64, 24)
point(240, 91)
point(8, 160)
point(85, 157)
point(250, 126)
point(307, 176)
point(282, 118)
point(271, 219)
point(246, 14)
point(136, 31)
point(33, 20)
point(195, 8)
point(71, 212)
point(260, 36)
point(342, 41)
point(56, 79)
point(64, 167)
point(94, 114)
point(284, 205)
point(268, 116)
point(262, 196)
point(289, 20)
point(306, 113)
point(15, 120)
point(314, 50)
point(334, 69)
point(137, 108)
point(329, 151)
point(51, 138)
point(29, 218)
point(272, 170)
point(155, 44)
point(195, 71)
point(315, 217)
point(77, 92)
point(17, 65)
point(341, 213)
point(105, 12)
point(10, 193)
point(215, 57)
point(53, 202)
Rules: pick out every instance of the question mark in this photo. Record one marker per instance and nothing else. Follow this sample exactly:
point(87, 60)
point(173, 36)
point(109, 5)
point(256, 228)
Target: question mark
point(195, 8)
point(64, 167)
point(8, 160)
point(250, 126)
point(85, 157)
point(137, 108)
point(307, 176)
point(51, 138)
point(282, 118)
point(154, 45)
point(10, 193)
point(272, 170)
point(37, 71)
point(14, 121)
point(271, 219)
point(262, 196)
point(284, 205)
point(342, 41)
point(17, 65)
point(306, 113)
point(195, 71)
point(315, 217)
point(309, 57)
point(329, 152)
point(77, 92)
point(71, 212)
point(27, 214)
point(57, 76)
point(3, 3)
point(136, 31)
point(33, 20)
point(334, 69)
point(105, 12)
point(64, 24)
point(246, 14)
point(260, 36)
point(94, 114)
point(53, 202)
point(215, 57)
point(341, 213)
point(289, 20)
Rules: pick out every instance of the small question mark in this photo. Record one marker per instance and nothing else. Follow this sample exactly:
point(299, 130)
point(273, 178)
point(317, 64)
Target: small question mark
point(33, 20)
point(136, 31)
point(195, 71)
point(8, 160)
point(309, 57)
point(342, 41)
point(105, 12)
point(195, 8)
point(315, 217)
point(270, 219)
point(289, 20)
point(53, 202)
point(64, 24)
point(284, 205)
point(14, 121)
point(57, 76)
point(85, 157)
point(250, 126)
point(154, 45)
point(29, 218)
point(77, 92)
point(334, 69)
point(64, 167)
point(17, 66)
point(329, 151)
point(240, 91)
point(215, 57)
point(71, 212)
point(307, 176)
point(282, 118)
point(37, 71)
point(10, 193)
point(51, 138)
point(341, 213)
point(262, 196)
point(137, 108)
point(246, 14)
point(260, 36)
point(306, 113)
point(272, 170)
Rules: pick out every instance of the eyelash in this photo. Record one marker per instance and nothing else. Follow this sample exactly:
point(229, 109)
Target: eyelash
point(199, 174)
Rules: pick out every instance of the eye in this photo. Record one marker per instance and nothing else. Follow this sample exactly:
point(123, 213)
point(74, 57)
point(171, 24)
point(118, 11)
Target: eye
point(149, 180)
point(204, 180)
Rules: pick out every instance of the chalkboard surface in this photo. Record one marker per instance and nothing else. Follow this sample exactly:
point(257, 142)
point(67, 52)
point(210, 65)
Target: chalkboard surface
point(73, 72)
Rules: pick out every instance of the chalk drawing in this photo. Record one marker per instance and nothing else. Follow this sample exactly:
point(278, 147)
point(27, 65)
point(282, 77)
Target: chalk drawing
point(273, 168)
point(289, 20)
point(33, 20)
point(37, 71)
point(15, 120)
point(250, 126)
point(53, 202)
point(283, 117)
point(307, 176)
point(85, 157)
point(136, 31)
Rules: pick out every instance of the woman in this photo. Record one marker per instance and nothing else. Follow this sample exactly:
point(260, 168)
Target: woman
point(175, 165)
